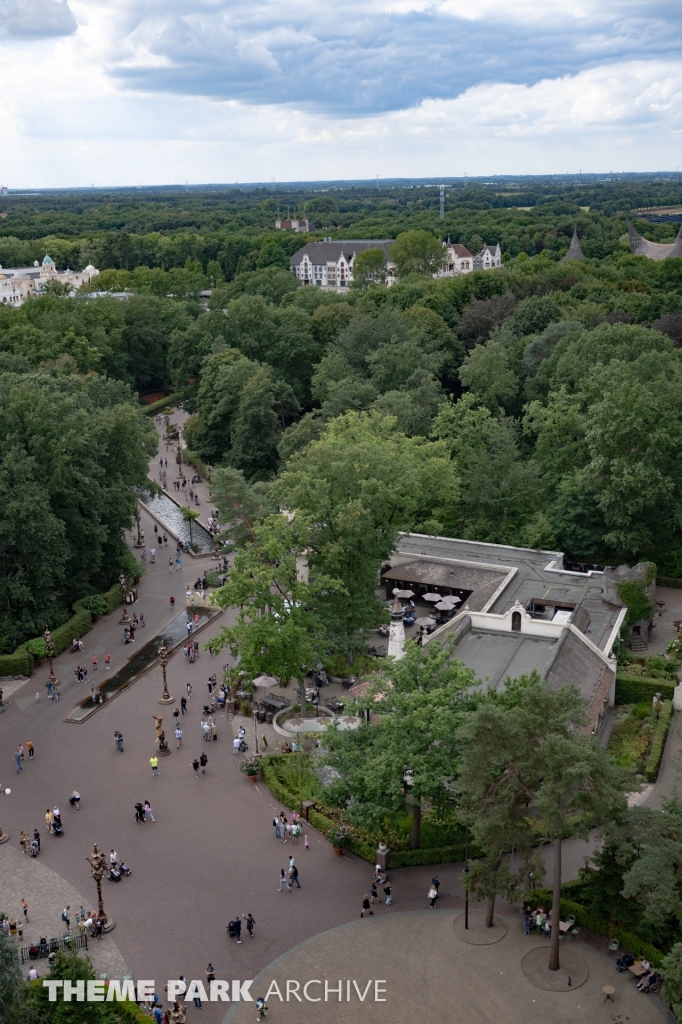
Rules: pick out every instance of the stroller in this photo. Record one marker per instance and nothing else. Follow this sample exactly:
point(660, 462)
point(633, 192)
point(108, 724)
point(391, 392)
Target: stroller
point(124, 869)
point(231, 933)
point(34, 848)
point(57, 828)
point(624, 961)
point(243, 747)
point(114, 874)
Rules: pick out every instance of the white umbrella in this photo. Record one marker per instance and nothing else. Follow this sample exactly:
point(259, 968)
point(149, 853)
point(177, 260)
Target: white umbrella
point(432, 597)
point(444, 606)
point(452, 599)
point(265, 681)
point(424, 622)
point(405, 595)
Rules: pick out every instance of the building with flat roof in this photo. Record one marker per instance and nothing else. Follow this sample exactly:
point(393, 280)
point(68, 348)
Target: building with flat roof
point(519, 610)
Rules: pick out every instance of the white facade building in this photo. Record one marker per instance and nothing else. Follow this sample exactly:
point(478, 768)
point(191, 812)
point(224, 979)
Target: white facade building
point(488, 258)
point(330, 264)
point(17, 284)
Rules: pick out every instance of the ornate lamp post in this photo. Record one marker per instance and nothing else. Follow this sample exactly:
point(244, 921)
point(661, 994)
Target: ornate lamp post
point(163, 659)
point(139, 543)
point(49, 647)
point(97, 862)
point(4, 836)
point(123, 584)
point(178, 459)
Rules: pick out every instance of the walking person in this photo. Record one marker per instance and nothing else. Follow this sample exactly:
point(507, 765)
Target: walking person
point(203, 761)
point(278, 829)
point(366, 906)
point(283, 880)
point(30, 748)
point(148, 811)
point(183, 705)
point(170, 565)
point(154, 762)
point(195, 766)
point(433, 896)
point(17, 758)
point(189, 690)
point(293, 875)
point(250, 922)
point(118, 736)
point(75, 799)
point(20, 751)
point(237, 924)
point(24, 907)
point(178, 738)
point(94, 663)
point(23, 841)
point(176, 715)
point(107, 659)
point(388, 893)
point(172, 602)
point(435, 882)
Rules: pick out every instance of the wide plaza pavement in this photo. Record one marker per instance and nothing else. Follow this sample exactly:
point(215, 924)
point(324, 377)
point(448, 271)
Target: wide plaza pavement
point(211, 854)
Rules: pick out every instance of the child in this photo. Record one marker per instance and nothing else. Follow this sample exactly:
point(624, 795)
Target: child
point(305, 840)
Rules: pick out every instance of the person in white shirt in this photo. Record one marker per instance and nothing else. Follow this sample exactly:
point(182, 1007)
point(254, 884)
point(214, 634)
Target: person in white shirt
point(235, 745)
point(113, 858)
point(178, 737)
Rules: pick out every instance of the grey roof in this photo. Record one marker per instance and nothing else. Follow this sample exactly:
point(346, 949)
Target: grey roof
point(331, 252)
point(640, 246)
point(574, 250)
point(575, 663)
point(495, 657)
point(483, 582)
point(535, 575)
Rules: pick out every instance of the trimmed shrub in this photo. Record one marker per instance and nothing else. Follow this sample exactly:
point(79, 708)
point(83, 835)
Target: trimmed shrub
point(113, 598)
point(411, 858)
point(154, 407)
point(77, 625)
point(17, 664)
point(658, 746)
point(37, 648)
point(637, 689)
point(669, 581)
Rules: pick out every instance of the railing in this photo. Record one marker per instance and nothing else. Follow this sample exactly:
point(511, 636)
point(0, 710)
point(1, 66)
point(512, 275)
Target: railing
point(39, 950)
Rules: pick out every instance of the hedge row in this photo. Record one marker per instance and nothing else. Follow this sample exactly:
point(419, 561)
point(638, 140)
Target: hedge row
point(592, 922)
point(154, 407)
point(669, 581)
point(640, 689)
point(396, 859)
point(658, 746)
point(20, 663)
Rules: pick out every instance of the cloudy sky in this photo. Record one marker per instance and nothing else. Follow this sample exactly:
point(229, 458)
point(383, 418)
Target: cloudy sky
point(160, 91)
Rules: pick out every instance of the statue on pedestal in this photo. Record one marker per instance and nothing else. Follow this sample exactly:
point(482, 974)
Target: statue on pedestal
point(160, 735)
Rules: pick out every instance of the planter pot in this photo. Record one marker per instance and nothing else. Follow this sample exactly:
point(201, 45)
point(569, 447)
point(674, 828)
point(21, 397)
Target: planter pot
point(338, 850)
point(252, 778)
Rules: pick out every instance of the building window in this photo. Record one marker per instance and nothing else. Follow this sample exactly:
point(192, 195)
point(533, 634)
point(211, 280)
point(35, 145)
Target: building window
point(516, 622)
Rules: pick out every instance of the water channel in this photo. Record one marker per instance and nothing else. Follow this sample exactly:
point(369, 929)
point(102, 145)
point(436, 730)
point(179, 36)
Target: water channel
point(173, 635)
point(168, 513)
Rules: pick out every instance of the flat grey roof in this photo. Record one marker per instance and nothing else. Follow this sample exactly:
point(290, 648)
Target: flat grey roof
point(495, 657)
point(532, 579)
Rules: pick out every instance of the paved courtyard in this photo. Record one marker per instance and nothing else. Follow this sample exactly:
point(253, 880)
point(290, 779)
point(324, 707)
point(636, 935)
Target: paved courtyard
point(211, 854)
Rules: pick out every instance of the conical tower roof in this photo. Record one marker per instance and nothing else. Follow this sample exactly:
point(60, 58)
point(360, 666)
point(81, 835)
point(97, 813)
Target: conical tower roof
point(574, 250)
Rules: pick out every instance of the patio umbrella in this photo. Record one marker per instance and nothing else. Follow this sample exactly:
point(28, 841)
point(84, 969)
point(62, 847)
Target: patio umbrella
point(444, 606)
point(424, 622)
point(432, 597)
point(265, 681)
point(452, 599)
point(405, 595)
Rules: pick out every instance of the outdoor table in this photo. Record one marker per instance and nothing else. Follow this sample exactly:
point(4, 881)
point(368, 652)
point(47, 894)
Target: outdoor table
point(638, 970)
point(274, 703)
point(564, 926)
point(608, 991)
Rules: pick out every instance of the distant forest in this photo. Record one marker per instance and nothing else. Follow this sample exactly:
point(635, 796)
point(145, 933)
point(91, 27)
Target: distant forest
point(228, 226)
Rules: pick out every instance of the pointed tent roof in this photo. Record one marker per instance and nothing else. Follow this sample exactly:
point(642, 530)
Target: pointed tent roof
point(574, 250)
point(640, 246)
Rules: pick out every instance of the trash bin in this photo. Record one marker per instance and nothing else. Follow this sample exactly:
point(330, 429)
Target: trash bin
point(268, 717)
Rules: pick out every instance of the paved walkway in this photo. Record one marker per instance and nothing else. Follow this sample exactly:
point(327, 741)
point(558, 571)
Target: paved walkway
point(47, 894)
point(427, 973)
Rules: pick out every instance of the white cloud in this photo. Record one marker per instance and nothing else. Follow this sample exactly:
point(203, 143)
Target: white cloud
point(210, 91)
point(35, 19)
